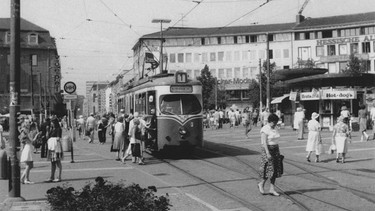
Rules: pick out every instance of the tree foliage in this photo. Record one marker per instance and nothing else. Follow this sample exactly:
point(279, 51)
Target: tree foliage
point(356, 65)
point(254, 87)
point(208, 86)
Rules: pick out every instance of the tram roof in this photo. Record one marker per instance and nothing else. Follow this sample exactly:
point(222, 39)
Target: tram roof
point(157, 80)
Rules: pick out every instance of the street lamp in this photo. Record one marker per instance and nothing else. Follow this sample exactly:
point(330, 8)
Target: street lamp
point(161, 21)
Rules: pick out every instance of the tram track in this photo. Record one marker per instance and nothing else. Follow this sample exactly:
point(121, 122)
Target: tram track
point(321, 179)
point(214, 187)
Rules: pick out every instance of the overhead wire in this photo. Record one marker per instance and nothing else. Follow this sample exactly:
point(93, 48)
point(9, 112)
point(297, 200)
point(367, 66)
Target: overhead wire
point(183, 16)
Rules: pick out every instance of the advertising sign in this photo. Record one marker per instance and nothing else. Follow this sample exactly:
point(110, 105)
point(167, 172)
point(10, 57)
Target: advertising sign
point(293, 96)
point(338, 94)
point(310, 95)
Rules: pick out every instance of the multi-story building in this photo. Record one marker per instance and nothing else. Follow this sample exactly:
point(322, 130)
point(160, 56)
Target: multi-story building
point(40, 67)
point(234, 54)
point(95, 101)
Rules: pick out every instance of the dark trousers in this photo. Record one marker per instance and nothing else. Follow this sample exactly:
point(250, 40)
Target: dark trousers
point(102, 135)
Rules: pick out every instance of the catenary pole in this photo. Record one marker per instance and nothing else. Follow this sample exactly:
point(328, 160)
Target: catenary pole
point(14, 193)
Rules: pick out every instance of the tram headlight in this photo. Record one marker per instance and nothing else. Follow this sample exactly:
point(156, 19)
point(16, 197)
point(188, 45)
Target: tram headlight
point(182, 132)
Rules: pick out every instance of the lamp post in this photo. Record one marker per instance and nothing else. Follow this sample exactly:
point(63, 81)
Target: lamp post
point(161, 21)
point(268, 74)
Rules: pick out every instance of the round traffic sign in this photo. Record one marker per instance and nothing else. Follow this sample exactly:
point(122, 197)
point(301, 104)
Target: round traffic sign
point(70, 87)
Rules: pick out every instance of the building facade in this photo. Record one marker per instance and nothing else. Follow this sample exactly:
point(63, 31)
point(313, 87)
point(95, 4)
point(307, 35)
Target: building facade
point(234, 55)
point(40, 67)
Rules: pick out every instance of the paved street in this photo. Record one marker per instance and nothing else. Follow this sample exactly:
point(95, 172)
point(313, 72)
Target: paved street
point(222, 175)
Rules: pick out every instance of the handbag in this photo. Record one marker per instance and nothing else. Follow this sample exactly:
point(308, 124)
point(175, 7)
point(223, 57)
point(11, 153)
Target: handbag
point(136, 149)
point(138, 134)
point(332, 149)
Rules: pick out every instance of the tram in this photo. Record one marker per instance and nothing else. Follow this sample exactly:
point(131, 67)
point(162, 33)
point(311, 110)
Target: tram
point(177, 101)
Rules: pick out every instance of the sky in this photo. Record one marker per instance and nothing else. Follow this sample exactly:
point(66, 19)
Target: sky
point(95, 37)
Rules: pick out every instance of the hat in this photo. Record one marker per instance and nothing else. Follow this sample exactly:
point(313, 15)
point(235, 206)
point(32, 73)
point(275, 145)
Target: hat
point(299, 109)
point(344, 108)
point(314, 115)
point(80, 116)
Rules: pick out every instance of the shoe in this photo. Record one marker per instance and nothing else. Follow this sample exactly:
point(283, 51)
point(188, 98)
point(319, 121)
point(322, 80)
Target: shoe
point(28, 182)
point(317, 161)
point(308, 159)
point(118, 159)
point(48, 180)
point(141, 163)
point(274, 193)
point(337, 160)
point(343, 161)
point(260, 187)
point(22, 181)
point(57, 180)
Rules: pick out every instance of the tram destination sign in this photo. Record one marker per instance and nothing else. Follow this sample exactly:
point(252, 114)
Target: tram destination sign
point(181, 89)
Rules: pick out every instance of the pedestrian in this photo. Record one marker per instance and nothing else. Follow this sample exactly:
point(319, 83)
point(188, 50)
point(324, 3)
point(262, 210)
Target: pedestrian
point(90, 127)
point(34, 134)
point(346, 114)
point(362, 119)
point(298, 124)
point(340, 138)
point(314, 139)
point(151, 129)
point(133, 139)
point(271, 161)
point(264, 116)
point(27, 150)
point(119, 132)
point(55, 153)
point(247, 121)
point(232, 118)
point(221, 118)
point(102, 129)
point(2, 141)
point(80, 126)
point(135, 142)
point(44, 136)
point(255, 117)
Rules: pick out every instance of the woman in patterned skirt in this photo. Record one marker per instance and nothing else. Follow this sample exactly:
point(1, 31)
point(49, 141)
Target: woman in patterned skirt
point(271, 160)
point(55, 152)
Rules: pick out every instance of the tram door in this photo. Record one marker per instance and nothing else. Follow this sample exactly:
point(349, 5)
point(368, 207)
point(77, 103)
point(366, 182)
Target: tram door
point(151, 104)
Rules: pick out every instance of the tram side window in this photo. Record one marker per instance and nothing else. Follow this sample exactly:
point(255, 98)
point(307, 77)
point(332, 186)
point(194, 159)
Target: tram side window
point(180, 105)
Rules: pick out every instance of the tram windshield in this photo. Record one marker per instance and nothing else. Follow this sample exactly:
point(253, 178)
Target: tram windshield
point(177, 104)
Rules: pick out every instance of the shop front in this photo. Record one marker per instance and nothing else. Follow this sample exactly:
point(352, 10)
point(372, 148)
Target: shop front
point(326, 94)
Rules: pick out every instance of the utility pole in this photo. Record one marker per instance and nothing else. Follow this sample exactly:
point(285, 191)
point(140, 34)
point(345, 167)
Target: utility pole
point(14, 193)
point(268, 74)
point(32, 82)
point(161, 21)
point(260, 86)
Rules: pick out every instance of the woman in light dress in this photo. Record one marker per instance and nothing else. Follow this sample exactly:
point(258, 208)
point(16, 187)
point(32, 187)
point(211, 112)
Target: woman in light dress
point(362, 119)
point(299, 116)
point(27, 139)
point(340, 138)
point(314, 138)
point(119, 140)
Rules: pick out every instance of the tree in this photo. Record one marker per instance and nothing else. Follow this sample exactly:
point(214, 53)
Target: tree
point(208, 86)
point(254, 92)
point(356, 65)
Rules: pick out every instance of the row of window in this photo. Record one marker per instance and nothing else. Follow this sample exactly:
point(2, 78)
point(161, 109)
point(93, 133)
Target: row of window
point(32, 38)
point(243, 39)
point(227, 56)
point(304, 53)
point(226, 73)
point(334, 33)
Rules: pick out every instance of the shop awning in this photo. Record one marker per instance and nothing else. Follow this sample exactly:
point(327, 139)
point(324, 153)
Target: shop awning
point(279, 99)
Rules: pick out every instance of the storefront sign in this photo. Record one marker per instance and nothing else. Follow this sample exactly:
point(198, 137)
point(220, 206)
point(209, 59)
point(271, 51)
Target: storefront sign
point(338, 94)
point(293, 96)
point(345, 40)
point(234, 81)
point(342, 58)
point(315, 95)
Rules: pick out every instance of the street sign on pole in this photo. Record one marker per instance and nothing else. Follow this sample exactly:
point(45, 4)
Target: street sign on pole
point(70, 97)
point(70, 87)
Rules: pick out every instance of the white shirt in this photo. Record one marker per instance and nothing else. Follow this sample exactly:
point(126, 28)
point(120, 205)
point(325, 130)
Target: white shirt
point(273, 135)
